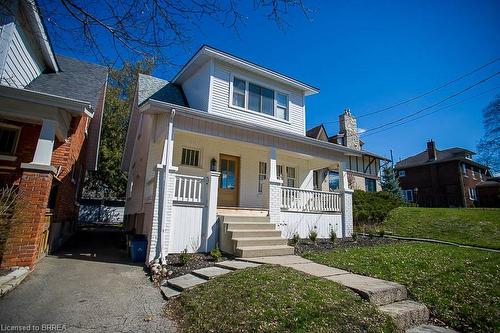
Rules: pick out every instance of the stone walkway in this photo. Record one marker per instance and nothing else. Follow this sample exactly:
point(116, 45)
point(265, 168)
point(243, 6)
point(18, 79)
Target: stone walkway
point(390, 297)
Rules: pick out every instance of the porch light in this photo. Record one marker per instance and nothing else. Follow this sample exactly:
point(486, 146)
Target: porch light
point(213, 165)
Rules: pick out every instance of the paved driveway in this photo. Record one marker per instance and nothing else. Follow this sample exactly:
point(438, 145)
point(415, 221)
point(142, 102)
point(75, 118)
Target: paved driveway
point(89, 287)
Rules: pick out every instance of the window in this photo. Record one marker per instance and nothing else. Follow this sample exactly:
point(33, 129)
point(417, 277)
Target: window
point(239, 87)
point(480, 175)
point(9, 136)
point(262, 175)
point(464, 168)
point(190, 157)
point(402, 173)
point(257, 98)
point(290, 176)
point(333, 180)
point(279, 171)
point(316, 180)
point(370, 185)
point(472, 194)
point(408, 195)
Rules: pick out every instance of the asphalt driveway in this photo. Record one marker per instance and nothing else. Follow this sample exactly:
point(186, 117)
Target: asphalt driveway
point(89, 286)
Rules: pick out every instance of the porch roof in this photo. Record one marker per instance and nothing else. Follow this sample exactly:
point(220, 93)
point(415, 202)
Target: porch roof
point(156, 107)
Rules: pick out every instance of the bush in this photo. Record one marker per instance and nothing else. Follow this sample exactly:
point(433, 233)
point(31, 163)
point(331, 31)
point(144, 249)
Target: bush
point(184, 257)
point(295, 239)
point(215, 253)
point(371, 208)
point(313, 234)
point(333, 235)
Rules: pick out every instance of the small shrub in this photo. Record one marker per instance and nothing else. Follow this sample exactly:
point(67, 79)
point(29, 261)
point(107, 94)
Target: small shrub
point(354, 236)
point(381, 232)
point(184, 257)
point(215, 253)
point(333, 235)
point(295, 239)
point(313, 234)
point(371, 208)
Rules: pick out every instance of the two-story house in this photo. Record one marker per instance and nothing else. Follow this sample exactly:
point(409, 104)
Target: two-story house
point(441, 178)
point(50, 115)
point(219, 155)
point(363, 172)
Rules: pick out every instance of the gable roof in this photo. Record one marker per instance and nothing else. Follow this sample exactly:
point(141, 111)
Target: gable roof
point(206, 52)
point(446, 155)
point(161, 90)
point(315, 132)
point(76, 79)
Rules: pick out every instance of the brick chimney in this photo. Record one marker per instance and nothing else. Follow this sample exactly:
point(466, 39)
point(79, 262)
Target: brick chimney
point(431, 150)
point(349, 128)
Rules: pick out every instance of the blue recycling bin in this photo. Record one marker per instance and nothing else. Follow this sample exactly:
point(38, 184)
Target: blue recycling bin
point(138, 247)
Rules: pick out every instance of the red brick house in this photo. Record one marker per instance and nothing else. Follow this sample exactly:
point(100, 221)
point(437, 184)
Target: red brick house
point(441, 178)
point(50, 117)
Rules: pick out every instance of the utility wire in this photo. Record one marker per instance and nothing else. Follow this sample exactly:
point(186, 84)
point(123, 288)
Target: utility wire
point(437, 110)
point(433, 105)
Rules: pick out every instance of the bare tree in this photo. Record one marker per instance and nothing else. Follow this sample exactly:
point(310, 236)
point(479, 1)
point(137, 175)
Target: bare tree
point(130, 30)
point(489, 146)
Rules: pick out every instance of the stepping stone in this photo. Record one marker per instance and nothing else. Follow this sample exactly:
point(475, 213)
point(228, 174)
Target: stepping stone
point(315, 269)
point(236, 264)
point(185, 282)
point(430, 329)
point(169, 292)
point(378, 292)
point(279, 260)
point(210, 272)
point(406, 314)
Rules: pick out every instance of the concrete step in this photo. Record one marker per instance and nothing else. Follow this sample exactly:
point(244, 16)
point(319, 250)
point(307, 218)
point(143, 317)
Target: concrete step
point(430, 329)
point(262, 251)
point(406, 314)
point(260, 241)
point(261, 219)
point(232, 211)
point(169, 292)
point(185, 282)
point(236, 264)
point(378, 292)
point(232, 226)
point(252, 233)
point(210, 272)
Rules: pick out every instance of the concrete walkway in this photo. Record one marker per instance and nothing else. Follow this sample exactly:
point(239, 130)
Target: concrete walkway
point(390, 297)
point(90, 286)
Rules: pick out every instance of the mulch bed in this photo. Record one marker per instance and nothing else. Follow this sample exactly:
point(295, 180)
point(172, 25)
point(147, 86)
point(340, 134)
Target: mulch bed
point(196, 261)
point(305, 245)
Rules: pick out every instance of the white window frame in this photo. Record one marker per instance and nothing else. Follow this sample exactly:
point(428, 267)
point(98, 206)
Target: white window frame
point(263, 85)
point(200, 158)
point(472, 193)
point(12, 156)
point(290, 178)
point(401, 173)
point(464, 169)
point(411, 195)
point(262, 177)
point(473, 173)
point(279, 171)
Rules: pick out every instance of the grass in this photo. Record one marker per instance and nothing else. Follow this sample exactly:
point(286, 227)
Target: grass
point(460, 286)
point(275, 299)
point(472, 226)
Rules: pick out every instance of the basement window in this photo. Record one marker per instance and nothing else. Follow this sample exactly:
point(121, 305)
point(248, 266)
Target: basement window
point(190, 157)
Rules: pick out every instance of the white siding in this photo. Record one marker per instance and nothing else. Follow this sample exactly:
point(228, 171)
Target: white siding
point(196, 88)
point(221, 100)
point(23, 64)
point(303, 223)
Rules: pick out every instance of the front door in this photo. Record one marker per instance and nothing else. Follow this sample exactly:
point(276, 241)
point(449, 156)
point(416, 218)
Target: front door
point(229, 184)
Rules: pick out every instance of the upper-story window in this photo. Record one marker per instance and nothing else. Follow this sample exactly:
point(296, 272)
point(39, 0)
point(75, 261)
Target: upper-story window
point(256, 98)
point(464, 168)
point(402, 173)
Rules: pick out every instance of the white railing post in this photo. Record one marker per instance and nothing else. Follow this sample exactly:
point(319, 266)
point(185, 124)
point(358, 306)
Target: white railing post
point(346, 201)
point(209, 235)
point(275, 196)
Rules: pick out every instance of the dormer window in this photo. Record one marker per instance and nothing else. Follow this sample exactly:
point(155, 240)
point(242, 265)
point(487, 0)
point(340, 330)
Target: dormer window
point(255, 97)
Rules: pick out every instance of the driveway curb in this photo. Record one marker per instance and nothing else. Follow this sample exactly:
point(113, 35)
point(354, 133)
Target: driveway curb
point(12, 280)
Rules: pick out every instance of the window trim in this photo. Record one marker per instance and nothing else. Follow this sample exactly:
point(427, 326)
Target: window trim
point(402, 173)
point(406, 197)
point(260, 184)
point(12, 156)
point(263, 85)
point(296, 171)
point(200, 158)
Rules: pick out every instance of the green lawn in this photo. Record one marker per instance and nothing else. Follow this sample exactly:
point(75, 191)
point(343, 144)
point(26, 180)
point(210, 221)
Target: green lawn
point(472, 226)
point(460, 286)
point(274, 299)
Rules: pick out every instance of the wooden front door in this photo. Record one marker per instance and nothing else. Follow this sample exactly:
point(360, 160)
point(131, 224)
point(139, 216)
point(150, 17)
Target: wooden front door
point(229, 183)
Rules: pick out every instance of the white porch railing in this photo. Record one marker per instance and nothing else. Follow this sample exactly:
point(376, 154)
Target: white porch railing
point(189, 189)
point(296, 199)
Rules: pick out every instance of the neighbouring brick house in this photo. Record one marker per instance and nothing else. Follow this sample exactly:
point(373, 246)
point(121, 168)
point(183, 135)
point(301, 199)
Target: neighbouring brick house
point(363, 171)
point(441, 178)
point(50, 117)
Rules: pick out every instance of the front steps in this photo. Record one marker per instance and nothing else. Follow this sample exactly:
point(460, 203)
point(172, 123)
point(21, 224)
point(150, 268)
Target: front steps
point(252, 236)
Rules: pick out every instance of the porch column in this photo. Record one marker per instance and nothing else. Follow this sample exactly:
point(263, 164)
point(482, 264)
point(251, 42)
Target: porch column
point(209, 235)
point(45, 144)
point(346, 201)
point(274, 190)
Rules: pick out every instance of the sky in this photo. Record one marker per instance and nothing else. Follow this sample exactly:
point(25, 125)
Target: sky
point(368, 55)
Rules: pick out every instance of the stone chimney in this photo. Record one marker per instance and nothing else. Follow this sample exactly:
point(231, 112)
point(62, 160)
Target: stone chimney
point(349, 130)
point(431, 150)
